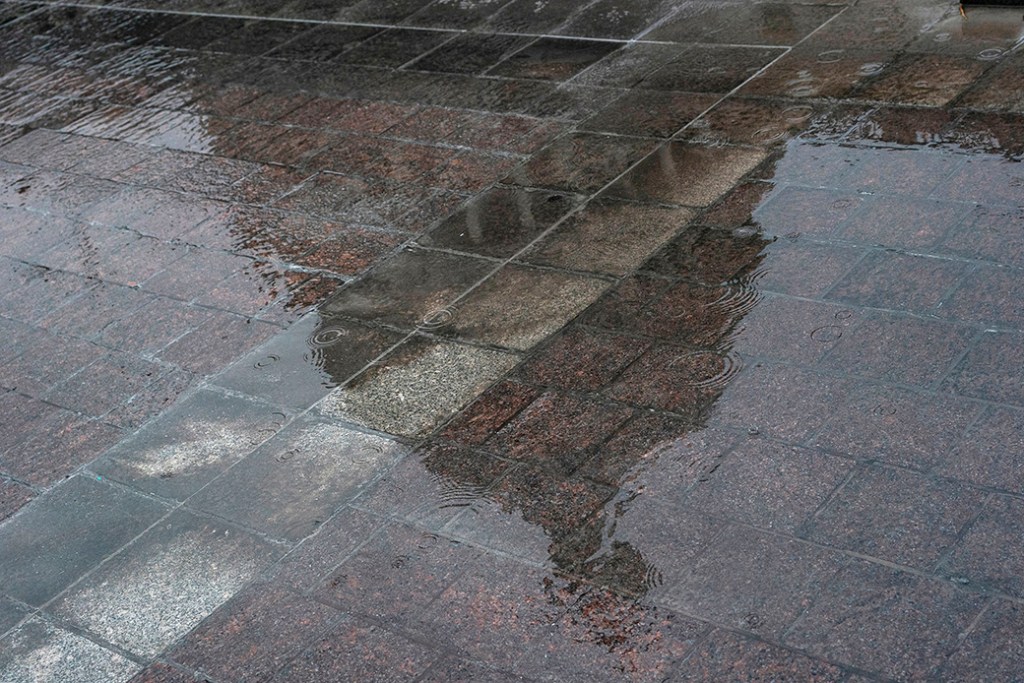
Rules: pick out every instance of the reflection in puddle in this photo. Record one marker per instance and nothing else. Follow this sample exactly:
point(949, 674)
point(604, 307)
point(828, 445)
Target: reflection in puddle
point(653, 386)
point(596, 533)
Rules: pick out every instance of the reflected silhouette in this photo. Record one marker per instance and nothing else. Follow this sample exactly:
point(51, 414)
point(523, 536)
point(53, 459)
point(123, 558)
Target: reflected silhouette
point(600, 576)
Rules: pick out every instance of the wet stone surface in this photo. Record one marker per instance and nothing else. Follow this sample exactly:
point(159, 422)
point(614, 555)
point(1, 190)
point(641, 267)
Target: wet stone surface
point(624, 340)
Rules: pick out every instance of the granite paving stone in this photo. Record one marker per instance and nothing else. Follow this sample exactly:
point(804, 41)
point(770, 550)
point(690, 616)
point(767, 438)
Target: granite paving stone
point(655, 115)
point(581, 162)
point(64, 535)
point(729, 583)
point(769, 485)
point(986, 452)
point(982, 299)
point(433, 484)
point(209, 348)
point(896, 172)
point(665, 637)
point(906, 223)
point(712, 68)
point(899, 282)
point(897, 516)
point(384, 295)
point(307, 472)
point(554, 59)
point(800, 211)
point(318, 555)
point(820, 71)
point(11, 614)
point(989, 233)
point(197, 440)
point(689, 175)
point(805, 268)
point(557, 431)
point(488, 412)
point(518, 606)
point(162, 673)
point(989, 554)
point(301, 366)
point(396, 575)
point(13, 497)
point(499, 222)
point(41, 650)
point(899, 426)
point(791, 329)
point(749, 122)
point(608, 237)
point(510, 340)
point(743, 25)
point(58, 444)
point(916, 351)
point(985, 372)
point(359, 649)
point(865, 605)
point(734, 657)
point(782, 401)
point(268, 626)
point(580, 359)
point(547, 300)
point(418, 385)
point(166, 582)
point(979, 651)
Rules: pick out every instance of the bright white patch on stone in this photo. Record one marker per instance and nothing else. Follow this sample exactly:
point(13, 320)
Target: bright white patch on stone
point(209, 443)
point(413, 395)
point(39, 652)
point(149, 602)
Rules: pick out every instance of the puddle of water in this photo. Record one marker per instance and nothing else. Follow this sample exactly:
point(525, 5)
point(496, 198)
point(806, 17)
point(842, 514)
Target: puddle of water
point(629, 412)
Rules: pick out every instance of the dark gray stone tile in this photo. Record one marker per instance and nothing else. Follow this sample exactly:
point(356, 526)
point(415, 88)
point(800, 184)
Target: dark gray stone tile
point(67, 532)
point(299, 367)
point(295, 481)
point(11, 613)
point(191, 444)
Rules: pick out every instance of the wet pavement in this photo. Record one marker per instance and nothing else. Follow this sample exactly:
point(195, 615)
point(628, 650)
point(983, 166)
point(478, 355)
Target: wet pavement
point(490, 340)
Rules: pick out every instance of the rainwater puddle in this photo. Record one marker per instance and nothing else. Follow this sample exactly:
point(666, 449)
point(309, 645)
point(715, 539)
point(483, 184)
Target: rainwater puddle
point(515, 394)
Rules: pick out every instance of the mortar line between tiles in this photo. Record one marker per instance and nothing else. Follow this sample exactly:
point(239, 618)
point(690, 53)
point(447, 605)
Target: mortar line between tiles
point(925, 575)
point(955, 363)
point(70, 626)
point(865, 254)
point(941, 564)
point(384, 26)
point(805, 525)
point(968, 274)
point(939, 671)
point(779, 643)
